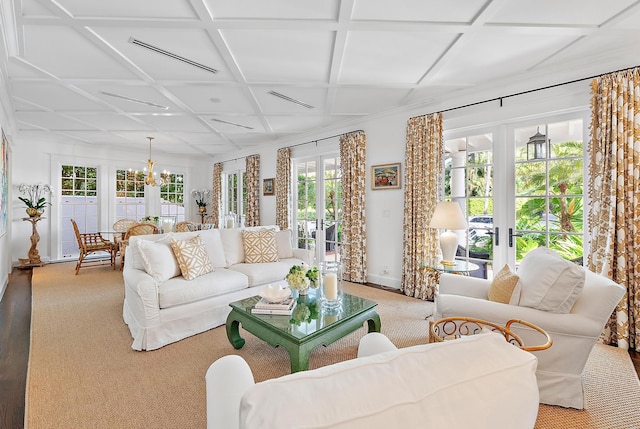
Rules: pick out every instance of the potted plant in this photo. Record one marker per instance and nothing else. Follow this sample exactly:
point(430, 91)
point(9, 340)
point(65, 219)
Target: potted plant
point(200, 196)
point(35, 201)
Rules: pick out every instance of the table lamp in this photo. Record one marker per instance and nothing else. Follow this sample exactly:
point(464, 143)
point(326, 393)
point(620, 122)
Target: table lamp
point(448, 215)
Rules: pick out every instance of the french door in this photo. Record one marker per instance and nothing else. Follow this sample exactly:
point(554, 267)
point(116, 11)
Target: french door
point(520, 187)
point(318, 202)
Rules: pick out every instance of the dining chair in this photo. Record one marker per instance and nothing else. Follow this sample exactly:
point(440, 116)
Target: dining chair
point(143, 228)
point(90, 243)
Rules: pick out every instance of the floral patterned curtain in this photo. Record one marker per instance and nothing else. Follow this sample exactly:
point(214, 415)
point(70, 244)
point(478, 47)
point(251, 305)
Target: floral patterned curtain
point(252, 178)
point(614, 187)
point(283, 187)
point(353, 151)
point(422, 189)
point(216, 197)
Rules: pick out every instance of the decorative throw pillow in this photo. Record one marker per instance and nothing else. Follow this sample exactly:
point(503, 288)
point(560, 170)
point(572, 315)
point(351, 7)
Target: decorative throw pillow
point(158, 260)
point(192, 257)
point(502, 285)
point(283, 243)
point(548, 282)
point(259, 246)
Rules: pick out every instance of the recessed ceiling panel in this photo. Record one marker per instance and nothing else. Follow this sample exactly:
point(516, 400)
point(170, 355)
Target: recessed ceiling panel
point(386, 57)
point(175, 9)
point(281, 56)
point(213, 98)
point(271, 104)
point(417, 10)
point(33, 8)
point(566, 12)
point(191, 44)
point(175, 123)
point(112, 122)
point(50, 121)
point(366, 100)
point(295, 124)
point(64, 53)
point(488, 57)
point(200, 138)
point(19, 70)
point(274, 9)
point(54, 97)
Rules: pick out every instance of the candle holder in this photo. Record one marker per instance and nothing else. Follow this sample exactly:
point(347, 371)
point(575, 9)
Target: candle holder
point(330, 285)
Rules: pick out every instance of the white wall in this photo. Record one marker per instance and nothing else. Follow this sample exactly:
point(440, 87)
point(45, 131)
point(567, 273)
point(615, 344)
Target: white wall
point(386, 134)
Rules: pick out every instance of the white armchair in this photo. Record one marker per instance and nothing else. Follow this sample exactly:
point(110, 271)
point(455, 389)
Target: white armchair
point(574, 334)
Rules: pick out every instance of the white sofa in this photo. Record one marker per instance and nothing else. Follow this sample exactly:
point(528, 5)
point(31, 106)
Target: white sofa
point(479, 381)
point(163, 308)
point(573, 333)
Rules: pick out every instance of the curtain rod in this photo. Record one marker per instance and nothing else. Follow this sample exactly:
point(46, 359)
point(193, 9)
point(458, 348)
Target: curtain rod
point(555, 85)
point(235, 159)
point(326, 138)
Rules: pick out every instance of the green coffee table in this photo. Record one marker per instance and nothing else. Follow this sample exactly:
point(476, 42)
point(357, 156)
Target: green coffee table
point(304, 330)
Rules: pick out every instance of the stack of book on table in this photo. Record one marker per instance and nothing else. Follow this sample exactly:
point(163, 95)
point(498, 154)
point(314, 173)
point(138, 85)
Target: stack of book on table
point(283, 307)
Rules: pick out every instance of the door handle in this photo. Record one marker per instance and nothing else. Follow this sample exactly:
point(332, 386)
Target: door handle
point(496, 236)
point(511, 235)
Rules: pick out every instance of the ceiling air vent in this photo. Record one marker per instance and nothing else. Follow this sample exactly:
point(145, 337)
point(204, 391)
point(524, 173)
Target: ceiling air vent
point(232, 123)
point(134, 100)
point(291, 100)
point(169, 54)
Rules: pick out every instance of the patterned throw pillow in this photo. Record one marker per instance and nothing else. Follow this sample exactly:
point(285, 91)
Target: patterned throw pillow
point(192, 257)
point(259, 246)
point(502, 285)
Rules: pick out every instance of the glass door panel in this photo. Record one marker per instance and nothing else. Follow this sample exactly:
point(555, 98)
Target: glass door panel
point(549, 189)
point(306, 175)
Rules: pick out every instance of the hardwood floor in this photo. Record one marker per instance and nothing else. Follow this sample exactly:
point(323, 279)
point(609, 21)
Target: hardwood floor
point(15, 324)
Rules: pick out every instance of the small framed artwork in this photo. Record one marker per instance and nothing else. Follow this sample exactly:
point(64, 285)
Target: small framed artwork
point(267, 186)
point(385, 176)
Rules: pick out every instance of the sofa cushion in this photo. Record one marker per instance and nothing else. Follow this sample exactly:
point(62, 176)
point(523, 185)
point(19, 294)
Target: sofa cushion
point(264, 273)
point(435, 385)
point(548, 282)
point(178, 290)
point(192, 257)
point(158, 259)
point(503, 285)
point(213, 242)
point(259, 246)
point(232, 243)
point(283, 243)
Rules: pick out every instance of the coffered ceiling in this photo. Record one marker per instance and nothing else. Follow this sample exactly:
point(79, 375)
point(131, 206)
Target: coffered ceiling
point(215, 77)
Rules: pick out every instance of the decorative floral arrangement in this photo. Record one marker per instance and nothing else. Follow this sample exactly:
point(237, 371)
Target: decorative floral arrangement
point(301, 277)
point(152, 219)
point(305, 312)
point(200, 196)
point(35, 199)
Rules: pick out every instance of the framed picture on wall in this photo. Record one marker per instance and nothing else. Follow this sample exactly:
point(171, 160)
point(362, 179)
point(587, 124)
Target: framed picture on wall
point(385, 176)
point(267, 187)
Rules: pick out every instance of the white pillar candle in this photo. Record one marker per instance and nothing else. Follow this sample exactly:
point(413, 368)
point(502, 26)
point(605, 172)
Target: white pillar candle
point(229, 223)
point(331, 286)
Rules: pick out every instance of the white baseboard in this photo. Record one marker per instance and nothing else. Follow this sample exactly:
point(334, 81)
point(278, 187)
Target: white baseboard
point(384, 281)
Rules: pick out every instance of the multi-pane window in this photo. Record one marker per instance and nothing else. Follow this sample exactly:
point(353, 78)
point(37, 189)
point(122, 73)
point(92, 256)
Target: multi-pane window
point(79, 201)
point(549, 188)
point(172, 198)
point(469, 181)
point(129, 195)
point(235, 198)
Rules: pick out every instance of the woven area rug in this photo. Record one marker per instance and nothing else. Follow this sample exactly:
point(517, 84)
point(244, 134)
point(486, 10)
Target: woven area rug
point(83, 372)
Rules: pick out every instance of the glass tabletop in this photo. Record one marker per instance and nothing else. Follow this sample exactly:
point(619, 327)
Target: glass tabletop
point(456, 267)
point(308, 316)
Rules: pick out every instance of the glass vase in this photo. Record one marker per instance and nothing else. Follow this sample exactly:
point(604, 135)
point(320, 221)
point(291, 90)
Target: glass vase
point(330, 284)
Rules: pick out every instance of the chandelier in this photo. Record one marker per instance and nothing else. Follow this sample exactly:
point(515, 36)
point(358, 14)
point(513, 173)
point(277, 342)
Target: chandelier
point(150, 178)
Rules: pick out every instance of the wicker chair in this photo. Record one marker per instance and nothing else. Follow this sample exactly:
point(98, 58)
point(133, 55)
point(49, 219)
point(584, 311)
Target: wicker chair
point(184, 226)
point(121, 226)
point(137, 229)
point(93, 242)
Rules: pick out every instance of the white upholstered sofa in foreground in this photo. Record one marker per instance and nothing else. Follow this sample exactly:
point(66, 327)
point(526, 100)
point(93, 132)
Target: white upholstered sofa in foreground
point(161, 306)
point(477, 382)
point(570, 303)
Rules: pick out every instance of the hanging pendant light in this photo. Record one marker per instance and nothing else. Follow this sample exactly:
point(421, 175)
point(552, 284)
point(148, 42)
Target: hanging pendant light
point(150, 179)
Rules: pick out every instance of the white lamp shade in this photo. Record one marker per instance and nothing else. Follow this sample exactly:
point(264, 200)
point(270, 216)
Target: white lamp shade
point(448, 215)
